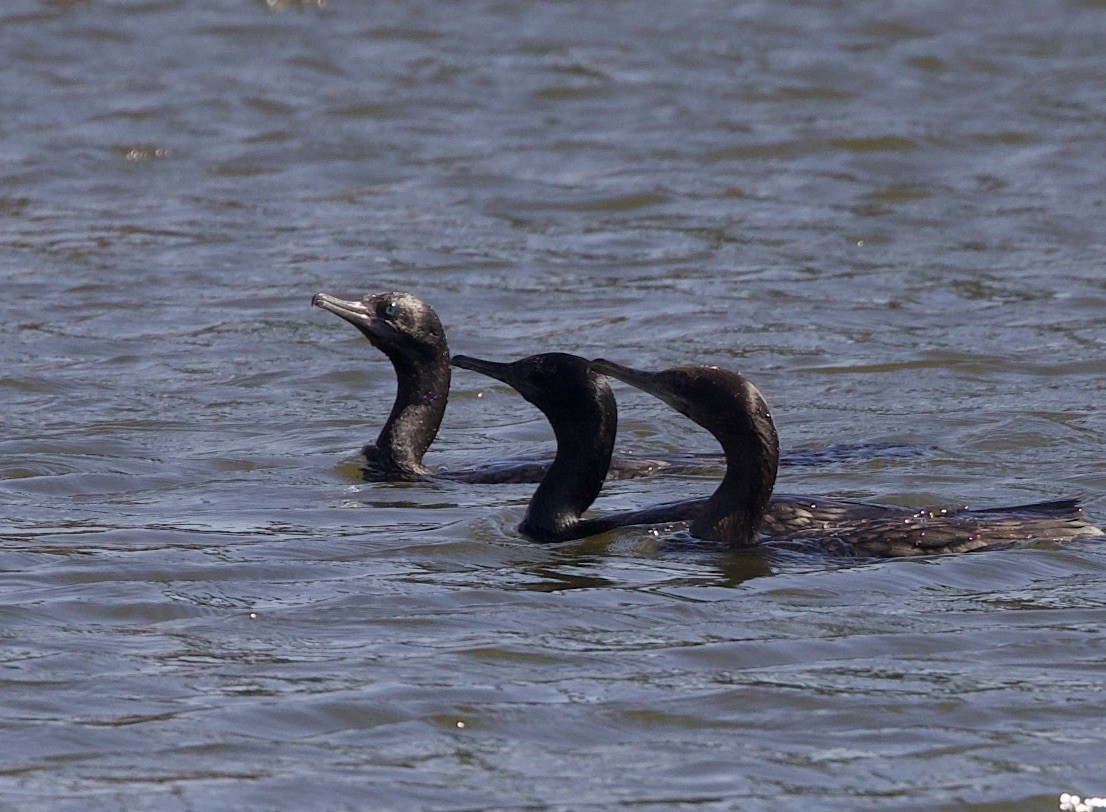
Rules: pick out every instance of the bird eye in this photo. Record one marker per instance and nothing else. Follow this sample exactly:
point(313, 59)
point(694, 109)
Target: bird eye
point(390, 309)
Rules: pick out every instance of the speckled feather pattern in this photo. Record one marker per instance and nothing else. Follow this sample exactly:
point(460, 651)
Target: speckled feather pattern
point(852, 528)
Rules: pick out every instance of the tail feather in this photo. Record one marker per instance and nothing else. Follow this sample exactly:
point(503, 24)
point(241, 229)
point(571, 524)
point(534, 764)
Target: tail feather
point(1056, 507)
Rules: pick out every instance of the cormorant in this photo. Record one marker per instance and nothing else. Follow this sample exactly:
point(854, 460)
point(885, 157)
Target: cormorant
point(733, 410)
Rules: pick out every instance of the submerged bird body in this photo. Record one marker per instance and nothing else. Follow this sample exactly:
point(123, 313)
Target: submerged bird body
point(925, 532)
point(731, 409)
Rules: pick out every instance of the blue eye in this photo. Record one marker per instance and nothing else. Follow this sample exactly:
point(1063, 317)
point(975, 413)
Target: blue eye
point(390, 310)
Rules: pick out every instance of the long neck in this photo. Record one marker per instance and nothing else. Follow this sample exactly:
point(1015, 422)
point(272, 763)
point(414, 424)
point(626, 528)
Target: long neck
point(422, 391)
point(585, 441)
point(734, 511)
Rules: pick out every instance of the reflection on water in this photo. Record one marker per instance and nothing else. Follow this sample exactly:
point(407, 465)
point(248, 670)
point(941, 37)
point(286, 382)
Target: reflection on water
point(889, 219)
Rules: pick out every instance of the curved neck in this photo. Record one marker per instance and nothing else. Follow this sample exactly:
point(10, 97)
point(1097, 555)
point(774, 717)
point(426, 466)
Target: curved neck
point(422, 392)
point(734, 511)
point(585, 442)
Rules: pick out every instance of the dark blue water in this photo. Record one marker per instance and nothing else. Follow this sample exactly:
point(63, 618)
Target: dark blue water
point(890, 218)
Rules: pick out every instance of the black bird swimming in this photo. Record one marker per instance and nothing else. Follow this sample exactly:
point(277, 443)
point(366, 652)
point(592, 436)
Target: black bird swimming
point(408, 331)
point(733, 410)
point(580, 407)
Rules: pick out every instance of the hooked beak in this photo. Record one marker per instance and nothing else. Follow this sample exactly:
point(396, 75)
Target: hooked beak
point(507, 373)
point(356, 313)
point(650, 382)
point(493, 369)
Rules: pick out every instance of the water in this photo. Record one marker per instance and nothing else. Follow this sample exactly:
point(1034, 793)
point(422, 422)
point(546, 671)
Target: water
point(889, 217)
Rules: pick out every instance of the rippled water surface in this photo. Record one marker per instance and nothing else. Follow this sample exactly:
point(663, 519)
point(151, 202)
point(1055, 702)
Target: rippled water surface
point(889, 216)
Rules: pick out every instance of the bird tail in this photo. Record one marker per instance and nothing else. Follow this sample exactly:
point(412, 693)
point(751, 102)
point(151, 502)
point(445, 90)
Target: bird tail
point(1056, 507)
